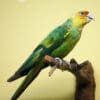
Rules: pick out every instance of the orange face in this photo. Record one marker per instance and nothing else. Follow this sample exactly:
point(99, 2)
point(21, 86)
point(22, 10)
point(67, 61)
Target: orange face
point(83, 15)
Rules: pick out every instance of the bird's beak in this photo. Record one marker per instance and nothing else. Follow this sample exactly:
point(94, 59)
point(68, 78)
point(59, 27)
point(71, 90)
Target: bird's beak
point(91, 17)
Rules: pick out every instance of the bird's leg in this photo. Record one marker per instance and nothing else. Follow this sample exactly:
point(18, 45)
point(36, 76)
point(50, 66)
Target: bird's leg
point(57, 63)
point(63, 65)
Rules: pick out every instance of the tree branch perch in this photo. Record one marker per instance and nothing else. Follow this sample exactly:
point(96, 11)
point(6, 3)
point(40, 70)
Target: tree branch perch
point(85, 82)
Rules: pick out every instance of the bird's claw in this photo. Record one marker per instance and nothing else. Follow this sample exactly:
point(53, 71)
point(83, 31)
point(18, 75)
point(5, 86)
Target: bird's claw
point(60, 64)
point(59, 61)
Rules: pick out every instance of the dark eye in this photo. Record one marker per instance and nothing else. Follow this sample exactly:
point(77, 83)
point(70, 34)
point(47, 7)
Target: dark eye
point(82, 13)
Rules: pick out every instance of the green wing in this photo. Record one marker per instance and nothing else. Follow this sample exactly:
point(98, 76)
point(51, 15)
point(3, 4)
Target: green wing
point(50, 43)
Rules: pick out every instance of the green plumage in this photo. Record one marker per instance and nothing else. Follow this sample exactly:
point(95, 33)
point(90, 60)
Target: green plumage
point(58, 43)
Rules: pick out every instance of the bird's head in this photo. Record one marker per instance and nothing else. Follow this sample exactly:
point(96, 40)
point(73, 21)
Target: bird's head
point(81, 18)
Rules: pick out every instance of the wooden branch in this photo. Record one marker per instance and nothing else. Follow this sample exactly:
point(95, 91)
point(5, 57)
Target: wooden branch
point(85, 82)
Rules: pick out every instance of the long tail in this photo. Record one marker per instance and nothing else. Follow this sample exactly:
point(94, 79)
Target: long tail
point(28, 79)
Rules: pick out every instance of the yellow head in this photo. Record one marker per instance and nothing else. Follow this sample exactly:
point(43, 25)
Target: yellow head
point(82, 18)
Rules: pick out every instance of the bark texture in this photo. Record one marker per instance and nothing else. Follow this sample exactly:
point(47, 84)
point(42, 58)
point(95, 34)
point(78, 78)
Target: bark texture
point(85, 81)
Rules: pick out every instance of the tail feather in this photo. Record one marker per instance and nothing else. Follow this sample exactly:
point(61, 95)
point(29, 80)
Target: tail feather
point(28, 79)
point(14, 77)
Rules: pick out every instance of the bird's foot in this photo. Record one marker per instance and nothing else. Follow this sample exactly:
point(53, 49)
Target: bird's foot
point(59, 62)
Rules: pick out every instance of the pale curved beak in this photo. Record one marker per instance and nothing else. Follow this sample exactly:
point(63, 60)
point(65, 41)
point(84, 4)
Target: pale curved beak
point(91, 17)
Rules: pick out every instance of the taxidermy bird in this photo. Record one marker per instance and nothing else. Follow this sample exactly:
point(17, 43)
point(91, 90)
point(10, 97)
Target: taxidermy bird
point(58, 43)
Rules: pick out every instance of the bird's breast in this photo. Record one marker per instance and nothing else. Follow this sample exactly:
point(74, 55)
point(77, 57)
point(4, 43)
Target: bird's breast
point(67, 45)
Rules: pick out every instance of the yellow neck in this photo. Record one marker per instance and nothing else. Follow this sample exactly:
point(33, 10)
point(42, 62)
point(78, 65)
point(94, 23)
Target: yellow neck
point(78, 22)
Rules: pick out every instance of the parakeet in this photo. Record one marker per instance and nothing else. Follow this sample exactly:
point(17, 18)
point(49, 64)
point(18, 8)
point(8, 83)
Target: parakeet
point(58, 43)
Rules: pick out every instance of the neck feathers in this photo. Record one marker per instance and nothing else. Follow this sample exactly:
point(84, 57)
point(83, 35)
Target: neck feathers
point(70, 24)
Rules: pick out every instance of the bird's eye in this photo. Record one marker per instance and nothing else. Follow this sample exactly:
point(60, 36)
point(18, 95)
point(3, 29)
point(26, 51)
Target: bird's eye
point(81, 13)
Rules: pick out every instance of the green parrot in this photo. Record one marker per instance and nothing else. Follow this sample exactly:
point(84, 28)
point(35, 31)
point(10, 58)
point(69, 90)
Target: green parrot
point(58, 43)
